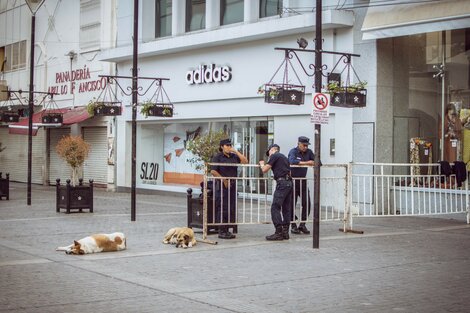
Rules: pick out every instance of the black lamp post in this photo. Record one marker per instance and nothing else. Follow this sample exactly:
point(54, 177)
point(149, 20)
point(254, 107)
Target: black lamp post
point(316, 169)
point(34, 6)
point(134, 107)
point(319, 69)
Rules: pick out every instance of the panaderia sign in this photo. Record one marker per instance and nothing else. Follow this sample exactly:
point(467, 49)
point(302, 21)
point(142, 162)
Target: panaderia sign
point(76, 81)
point(209, 74)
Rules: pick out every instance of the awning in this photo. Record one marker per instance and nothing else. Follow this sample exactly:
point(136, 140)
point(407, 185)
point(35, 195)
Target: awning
point(70, 116)
point(419, 16)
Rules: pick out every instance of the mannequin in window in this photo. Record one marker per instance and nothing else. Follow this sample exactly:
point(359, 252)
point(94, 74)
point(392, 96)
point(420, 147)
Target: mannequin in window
point(452, 134)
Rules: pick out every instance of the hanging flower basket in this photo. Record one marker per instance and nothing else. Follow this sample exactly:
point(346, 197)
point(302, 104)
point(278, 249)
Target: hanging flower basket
point(9, 117)
point(352, 96)
point(107, 103)
point(52, 118)
point(158, 105)
point(284, 93)
point(157, 109)
point(105, 108)
point(346, 99)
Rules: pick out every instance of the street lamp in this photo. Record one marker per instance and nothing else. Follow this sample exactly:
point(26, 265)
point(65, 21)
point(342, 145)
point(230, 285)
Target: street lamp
point(319, 68)
point(34, 6)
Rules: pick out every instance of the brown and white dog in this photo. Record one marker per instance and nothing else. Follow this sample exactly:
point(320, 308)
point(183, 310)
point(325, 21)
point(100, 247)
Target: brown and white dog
point(181, 237)
point(96, 243)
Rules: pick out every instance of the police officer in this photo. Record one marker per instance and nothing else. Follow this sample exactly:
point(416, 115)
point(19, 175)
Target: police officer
point(226, 189)
point(301, 155)
point(282, 198)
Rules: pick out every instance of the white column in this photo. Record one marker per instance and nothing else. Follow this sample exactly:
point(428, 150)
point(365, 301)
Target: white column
point(147, 11)
point(178, 18)
point(251, 9)
point(212, 14)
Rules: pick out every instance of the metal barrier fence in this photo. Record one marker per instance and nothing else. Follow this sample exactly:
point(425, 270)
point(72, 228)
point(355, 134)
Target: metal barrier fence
point(347, 191)
point(248, 196)
point(387, 189)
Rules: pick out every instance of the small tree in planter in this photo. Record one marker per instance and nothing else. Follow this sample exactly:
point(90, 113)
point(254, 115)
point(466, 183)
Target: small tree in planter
point(203, 147)
point(74, 150)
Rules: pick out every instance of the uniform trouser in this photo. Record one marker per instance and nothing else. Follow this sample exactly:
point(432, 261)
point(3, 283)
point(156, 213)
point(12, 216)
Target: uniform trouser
point(282, 203)
point(301, 191)
point(225, 203)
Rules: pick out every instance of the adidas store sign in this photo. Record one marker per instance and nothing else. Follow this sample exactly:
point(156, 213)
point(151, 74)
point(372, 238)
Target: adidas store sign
point(209, 74)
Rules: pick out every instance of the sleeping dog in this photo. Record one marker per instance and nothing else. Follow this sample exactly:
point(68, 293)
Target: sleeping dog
point(96, 243)
point(181, 237)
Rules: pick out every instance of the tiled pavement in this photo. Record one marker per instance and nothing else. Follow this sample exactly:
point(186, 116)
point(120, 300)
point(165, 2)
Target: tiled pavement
point(399, 264)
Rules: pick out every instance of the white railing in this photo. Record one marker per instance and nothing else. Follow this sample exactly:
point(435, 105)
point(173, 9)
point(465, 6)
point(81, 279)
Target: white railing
point(385, 189)
point(254, 191)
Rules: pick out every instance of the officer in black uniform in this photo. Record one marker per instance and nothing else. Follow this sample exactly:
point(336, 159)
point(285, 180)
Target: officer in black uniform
point(301, 155)
point(226, 189)
point(282, 198)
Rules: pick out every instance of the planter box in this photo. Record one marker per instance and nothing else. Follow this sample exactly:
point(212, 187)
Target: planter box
point(108, 110)
point(74, 198)
point(349, 99)
point(162, 110)
point(284, 94)
point(52, 118)
point(9, 117)
point(5, 187)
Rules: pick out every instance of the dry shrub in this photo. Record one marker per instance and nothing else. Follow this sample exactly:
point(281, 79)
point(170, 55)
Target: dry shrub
point(74, 150)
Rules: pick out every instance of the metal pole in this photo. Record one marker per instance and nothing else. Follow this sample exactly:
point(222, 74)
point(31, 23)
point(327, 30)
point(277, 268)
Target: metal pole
point(31, 108)
point(317, 135)
point(134, 105)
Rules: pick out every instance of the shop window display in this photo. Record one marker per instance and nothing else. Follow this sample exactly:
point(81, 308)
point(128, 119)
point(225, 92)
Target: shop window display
point(430, 75)
point(249, 137)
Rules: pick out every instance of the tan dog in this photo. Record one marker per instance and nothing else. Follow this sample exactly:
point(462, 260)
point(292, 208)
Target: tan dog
point(96, 243)
point(181, 237)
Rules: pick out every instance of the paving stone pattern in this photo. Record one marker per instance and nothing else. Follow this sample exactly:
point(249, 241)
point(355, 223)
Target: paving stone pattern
point(400, 264)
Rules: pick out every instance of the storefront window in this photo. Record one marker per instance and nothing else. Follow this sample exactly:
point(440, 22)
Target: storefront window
point(195, 15)
point(231, 11)
point(163, 16)
point(431, 93)
point(164, 157)
point(270, 8)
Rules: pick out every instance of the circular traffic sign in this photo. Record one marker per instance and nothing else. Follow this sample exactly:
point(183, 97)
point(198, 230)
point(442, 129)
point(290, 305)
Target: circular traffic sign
point(320, 101)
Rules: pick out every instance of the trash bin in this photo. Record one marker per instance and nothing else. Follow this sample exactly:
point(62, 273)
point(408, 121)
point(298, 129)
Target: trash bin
point(195, 210)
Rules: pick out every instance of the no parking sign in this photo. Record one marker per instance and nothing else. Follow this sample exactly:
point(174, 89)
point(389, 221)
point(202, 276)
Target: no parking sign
point(321, 108)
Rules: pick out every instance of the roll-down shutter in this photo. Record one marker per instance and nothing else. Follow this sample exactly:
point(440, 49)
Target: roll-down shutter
point(14, 159)
point(96, 165)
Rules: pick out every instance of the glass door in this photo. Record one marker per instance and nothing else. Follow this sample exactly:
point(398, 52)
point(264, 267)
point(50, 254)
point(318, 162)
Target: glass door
point(250, 137)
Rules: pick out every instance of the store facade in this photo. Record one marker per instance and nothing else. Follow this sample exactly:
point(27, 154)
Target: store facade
point(214, 78)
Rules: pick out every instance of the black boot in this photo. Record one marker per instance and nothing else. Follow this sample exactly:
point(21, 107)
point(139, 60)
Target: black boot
point(277, 235)
point(285, 231)
point(303, 229)
point(294, 229)
point(224, 233)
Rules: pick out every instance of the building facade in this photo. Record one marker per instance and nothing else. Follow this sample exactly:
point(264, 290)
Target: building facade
point(68, 37)
point(191, 42)
point(216, 54)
